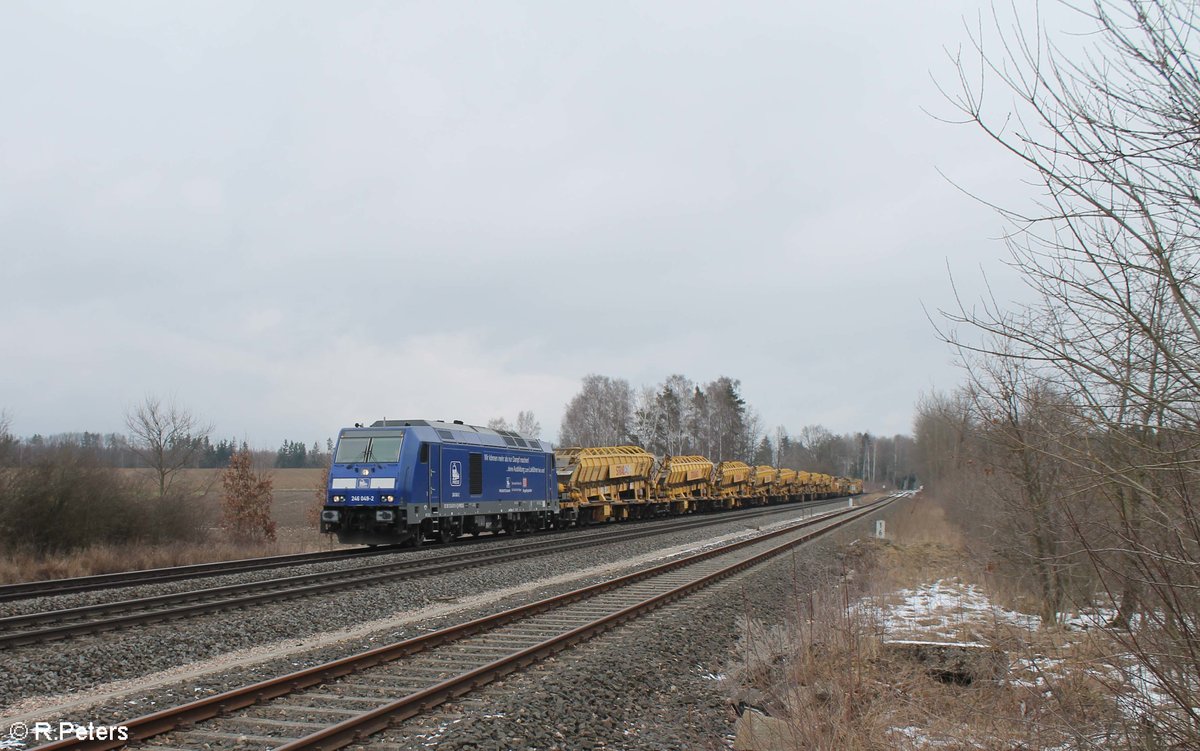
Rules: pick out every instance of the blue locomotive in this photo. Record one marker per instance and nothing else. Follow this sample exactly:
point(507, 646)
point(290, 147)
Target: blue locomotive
point(416, 480)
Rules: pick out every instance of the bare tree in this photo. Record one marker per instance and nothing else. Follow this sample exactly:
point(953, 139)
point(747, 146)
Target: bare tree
point(754, 439)
point(166, 437)
point(669, 419)
point(1110, 128)
point(649, 421)
point(1025, 423)
point(7, 441)
point(527, 424)
point(943, 427)
point(601, 414)
point(782, 439)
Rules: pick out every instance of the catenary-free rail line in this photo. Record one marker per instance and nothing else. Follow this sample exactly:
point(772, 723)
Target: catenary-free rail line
point(345, 701)
point(53, 587)
point(23, 629)
point(116, 580)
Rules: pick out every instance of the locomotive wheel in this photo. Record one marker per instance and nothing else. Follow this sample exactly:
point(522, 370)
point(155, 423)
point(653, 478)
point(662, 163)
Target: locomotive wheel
point(446, 535)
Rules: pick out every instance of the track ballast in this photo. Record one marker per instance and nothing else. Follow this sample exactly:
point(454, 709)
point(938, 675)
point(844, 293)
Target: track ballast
point(342, 702)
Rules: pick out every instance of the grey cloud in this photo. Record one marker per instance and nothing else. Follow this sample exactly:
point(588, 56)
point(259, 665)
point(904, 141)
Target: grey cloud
point(292, 214)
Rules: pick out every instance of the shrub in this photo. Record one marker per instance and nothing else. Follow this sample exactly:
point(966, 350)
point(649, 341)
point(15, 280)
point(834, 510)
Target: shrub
point(66, 500)
point(246, 501)
point(320, 488)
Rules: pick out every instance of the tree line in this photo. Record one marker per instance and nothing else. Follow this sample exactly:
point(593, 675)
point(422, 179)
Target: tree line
point(118, 450)
point(1073, 449)
point(682, 417)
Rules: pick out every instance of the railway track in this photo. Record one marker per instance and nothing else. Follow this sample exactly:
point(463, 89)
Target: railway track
point(53, 587)
point(44, 626)
point(72, 585)
point(345, 701)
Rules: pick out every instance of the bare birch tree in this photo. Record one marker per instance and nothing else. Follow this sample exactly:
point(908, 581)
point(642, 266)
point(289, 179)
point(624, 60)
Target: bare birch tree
point(601, 414)
point(527, 424)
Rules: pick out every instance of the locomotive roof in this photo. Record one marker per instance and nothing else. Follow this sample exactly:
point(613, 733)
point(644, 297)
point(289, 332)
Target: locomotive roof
point(473, 434)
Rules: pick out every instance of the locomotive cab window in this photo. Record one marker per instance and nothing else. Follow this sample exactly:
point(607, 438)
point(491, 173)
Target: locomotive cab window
point(423, 455)
point(377, 447)
point(351, 450)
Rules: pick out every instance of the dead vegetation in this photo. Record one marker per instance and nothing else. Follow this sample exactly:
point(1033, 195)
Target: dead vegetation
point(1077, 428)
point(18, 566)
point(246, 500)
point(832, 680)
point(200, 539)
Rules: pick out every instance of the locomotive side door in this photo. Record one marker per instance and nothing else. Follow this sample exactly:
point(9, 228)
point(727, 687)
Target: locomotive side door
point(435, 474)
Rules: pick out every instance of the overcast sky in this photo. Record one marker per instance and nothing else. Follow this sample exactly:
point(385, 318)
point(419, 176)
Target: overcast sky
point(294, 216)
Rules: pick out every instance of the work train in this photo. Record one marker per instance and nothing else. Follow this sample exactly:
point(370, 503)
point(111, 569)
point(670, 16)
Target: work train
point(415, 480)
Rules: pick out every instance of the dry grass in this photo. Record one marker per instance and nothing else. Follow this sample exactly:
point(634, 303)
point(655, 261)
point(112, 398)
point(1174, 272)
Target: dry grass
point(830, 677)
point(103, 559)
point(294, 490)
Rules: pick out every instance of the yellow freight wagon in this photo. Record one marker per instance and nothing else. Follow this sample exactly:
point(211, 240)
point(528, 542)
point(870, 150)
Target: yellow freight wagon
point(785, 483)
point(683, 481)
point(730, 482)
point(762, 482)
point(805, 485)
point(823, 485)
point(605, 482)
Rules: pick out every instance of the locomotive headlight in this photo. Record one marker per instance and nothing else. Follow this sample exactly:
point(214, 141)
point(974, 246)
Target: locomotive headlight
point(389, 498)
point(339, 498)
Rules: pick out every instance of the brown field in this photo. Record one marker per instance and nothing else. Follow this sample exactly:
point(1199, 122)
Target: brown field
point(294, 496)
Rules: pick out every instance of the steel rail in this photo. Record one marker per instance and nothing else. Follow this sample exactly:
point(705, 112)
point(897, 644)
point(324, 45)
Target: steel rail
point(368, 723)
point(54, 587)
point(348, 731)
point(214, 599)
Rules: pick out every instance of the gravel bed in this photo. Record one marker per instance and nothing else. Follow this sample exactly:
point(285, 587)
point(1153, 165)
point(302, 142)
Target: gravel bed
point(430, 550)
point(87, 661)
point(657, 683)
point(79, 599)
